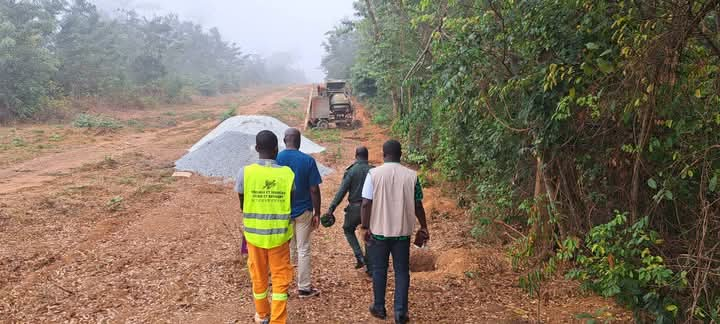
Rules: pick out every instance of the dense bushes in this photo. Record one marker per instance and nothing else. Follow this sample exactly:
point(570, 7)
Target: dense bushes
point(557, 113)
point(619, 261)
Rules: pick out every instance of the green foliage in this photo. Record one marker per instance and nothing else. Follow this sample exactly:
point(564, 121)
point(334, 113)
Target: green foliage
point(290, 109)
point(710, 312)
point(288, 104)
point(27, 64)
point(341, 49)
point(177, 90)
point(95, 121)
point(18, 142)
point(598, 316)
point(620, 263)
point(55, 49)
point(331, 135)
point(414, 156)
point(381, 117)
point(115, 203)
point(229, 113)
point(615, 101)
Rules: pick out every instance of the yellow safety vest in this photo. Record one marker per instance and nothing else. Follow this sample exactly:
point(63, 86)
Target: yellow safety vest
point(266, 205)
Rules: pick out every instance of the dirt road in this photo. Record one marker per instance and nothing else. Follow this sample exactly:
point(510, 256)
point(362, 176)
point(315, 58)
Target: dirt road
point(97, 230)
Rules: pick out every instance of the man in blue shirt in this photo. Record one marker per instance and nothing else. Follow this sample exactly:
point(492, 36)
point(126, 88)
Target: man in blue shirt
point(305, 206)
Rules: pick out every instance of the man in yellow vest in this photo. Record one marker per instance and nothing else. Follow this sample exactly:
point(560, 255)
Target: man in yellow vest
point(265, 190)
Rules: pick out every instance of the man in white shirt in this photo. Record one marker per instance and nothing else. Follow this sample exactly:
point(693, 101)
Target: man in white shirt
point(392, 199)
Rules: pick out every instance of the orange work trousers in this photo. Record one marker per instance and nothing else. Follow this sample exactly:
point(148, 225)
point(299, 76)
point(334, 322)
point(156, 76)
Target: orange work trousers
point(277, 262)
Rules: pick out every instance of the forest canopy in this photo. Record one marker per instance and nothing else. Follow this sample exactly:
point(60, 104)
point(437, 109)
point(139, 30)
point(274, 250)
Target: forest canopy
point(55, 49)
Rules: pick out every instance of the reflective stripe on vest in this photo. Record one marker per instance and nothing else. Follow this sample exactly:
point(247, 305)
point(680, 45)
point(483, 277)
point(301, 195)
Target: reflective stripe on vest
point(265, 216)
point(266, 205)
point(266, 231)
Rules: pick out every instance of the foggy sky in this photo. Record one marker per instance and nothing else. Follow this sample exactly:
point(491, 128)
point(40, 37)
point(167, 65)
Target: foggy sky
point(257, 26)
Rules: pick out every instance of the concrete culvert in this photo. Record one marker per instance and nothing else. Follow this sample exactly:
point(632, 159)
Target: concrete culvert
point(422, 260)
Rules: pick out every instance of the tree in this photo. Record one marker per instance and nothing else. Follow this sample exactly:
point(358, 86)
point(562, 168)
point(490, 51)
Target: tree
point(561, 113)
point(341, 49)
point(26, 63)
point(55, 48)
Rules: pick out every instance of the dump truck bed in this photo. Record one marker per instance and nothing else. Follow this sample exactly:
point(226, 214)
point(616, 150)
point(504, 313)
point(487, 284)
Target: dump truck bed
point(319, 107)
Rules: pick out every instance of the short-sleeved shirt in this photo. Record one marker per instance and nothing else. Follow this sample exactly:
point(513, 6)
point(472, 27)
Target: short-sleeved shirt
point(367, 190)
point(306, 175)
point(396, 222)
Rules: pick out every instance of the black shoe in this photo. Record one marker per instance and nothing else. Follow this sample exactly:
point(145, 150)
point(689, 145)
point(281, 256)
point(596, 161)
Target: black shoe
point(402, 319)
point(378, 314)
point(312, 292)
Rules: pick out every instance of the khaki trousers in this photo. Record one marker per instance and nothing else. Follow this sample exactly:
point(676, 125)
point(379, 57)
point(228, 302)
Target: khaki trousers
point(300, 249)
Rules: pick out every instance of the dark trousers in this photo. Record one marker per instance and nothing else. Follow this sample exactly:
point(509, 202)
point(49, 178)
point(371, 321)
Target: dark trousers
point(380, 251)
point(352, 220)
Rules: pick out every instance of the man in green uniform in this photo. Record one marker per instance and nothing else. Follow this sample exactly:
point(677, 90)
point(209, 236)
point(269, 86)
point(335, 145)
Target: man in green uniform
point(352, 185)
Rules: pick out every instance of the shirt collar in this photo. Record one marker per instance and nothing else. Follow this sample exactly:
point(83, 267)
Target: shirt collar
point(266, 162)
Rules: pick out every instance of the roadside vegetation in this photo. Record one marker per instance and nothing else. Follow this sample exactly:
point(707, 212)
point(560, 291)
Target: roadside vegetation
point(590, 128)
point(291, 110)
point(229, 113)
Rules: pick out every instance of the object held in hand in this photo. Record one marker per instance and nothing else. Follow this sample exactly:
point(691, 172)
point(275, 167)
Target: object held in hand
point(327, 220)
point(421, 238)
point(244, 247)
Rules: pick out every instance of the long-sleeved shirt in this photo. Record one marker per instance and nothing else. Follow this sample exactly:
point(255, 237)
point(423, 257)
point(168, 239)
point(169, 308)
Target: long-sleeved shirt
point(352, 183)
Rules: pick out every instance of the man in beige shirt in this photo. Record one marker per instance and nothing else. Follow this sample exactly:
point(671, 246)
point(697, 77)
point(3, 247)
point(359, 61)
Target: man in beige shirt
point(392, 199)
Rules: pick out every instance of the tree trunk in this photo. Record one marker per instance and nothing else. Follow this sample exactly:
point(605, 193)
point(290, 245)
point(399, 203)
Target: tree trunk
point(409, 102)
point(395, 102)
point(371, 14)
point(540, 232)
point(645, 127)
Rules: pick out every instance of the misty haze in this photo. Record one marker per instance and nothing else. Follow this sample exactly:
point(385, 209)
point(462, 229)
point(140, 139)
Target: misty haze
point(359, 161)
point(291, 28)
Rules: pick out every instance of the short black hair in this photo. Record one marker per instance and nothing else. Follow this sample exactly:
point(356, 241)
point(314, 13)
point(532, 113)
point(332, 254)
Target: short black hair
point(292, 138)
point(392, 149)
point(266, 141)
point(362, 152)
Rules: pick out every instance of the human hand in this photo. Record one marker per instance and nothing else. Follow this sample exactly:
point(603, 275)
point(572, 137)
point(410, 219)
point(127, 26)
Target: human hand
point(365, 234)
point(315, 222)
point(421, 237)
point(426, 233)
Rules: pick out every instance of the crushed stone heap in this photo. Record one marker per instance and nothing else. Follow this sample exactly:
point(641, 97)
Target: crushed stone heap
point(231, 145)
point(253, 124)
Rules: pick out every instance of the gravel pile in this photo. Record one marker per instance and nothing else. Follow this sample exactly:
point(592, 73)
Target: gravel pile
point(253, 124)
point(231, 146)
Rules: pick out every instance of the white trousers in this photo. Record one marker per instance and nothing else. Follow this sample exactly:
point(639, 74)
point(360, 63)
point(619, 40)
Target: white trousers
point(300, 249)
